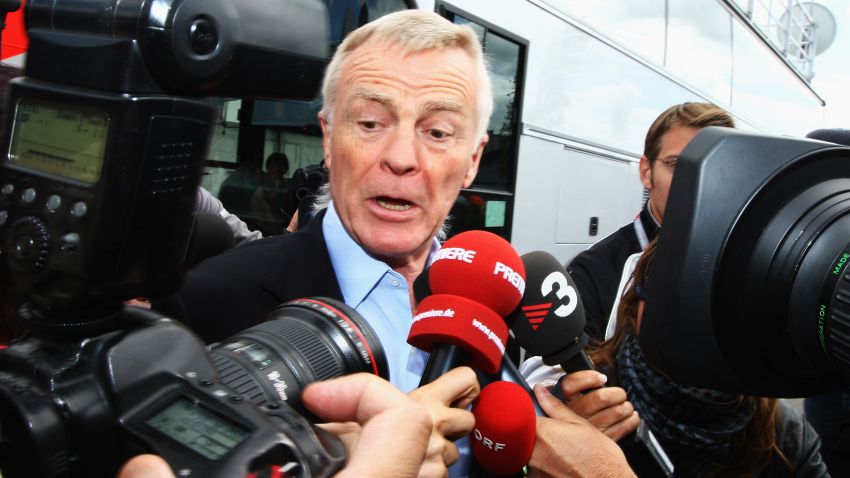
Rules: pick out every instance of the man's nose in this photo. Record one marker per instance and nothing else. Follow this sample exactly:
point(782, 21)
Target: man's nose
point(400, 155)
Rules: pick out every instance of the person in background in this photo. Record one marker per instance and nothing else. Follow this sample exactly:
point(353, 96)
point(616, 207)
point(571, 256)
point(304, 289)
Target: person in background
point(238, 187)
point(267, 200)
point(207, 203)
point(598, 271)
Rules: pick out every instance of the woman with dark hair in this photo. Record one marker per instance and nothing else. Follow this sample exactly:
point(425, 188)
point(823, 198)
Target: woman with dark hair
point(704, 432)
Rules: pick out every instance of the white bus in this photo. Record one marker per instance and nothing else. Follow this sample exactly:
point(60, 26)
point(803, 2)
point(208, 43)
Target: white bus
point(576, 86)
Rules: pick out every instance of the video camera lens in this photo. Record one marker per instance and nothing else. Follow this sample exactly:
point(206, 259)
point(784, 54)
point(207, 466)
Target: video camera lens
point(301, 341)
point(749, 290)
point(785, 262)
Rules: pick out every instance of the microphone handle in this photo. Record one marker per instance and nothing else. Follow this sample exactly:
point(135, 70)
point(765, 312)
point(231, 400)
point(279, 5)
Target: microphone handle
point(510, 373)
point(643, 452)
point(443, 358)
point(477, 471)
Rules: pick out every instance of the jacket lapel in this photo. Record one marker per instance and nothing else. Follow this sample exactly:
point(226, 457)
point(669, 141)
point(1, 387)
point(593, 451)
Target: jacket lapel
point(303, 266)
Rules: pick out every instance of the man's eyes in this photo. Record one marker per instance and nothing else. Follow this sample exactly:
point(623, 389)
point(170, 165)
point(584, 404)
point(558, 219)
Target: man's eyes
point(438, 134)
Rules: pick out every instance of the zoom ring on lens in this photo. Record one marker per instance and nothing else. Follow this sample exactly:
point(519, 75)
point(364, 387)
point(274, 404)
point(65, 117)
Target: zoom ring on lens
point(839, 322)
point(316, 352)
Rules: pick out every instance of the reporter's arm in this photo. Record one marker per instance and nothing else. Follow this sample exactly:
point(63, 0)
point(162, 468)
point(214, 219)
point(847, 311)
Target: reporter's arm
point(568, 446)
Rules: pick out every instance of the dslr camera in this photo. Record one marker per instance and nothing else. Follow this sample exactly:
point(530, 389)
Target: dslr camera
point(102, 157)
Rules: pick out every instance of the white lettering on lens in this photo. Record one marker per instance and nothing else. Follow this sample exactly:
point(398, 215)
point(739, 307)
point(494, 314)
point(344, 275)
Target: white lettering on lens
point(278, 384)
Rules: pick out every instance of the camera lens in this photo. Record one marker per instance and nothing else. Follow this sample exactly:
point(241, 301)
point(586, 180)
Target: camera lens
point(300, 342)
point(783, 290)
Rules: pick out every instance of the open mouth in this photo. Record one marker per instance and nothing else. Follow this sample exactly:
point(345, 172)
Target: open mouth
point(394, 204)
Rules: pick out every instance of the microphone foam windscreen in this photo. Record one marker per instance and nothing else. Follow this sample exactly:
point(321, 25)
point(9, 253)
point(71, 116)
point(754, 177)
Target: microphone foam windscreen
point(455, 320)
point(505, 427)
point(481, 266)
point(550, 315)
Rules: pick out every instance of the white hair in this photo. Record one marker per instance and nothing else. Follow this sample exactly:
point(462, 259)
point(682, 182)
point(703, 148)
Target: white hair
point(414, 31)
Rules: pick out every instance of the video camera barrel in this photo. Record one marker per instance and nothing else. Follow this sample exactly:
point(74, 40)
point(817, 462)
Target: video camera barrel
point(192, 47)
point(749, 291)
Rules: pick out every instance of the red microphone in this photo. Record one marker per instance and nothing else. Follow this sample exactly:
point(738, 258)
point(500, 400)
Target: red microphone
point(505, 428)
point(443, 319)
point(480, 266)
point(476, 280)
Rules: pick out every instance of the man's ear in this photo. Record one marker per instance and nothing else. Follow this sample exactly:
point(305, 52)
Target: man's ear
point(326, 139)
point(476, 161)
point(645, 172)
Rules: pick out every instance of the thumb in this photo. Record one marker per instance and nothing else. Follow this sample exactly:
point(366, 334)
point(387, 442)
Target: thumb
point(146, 466)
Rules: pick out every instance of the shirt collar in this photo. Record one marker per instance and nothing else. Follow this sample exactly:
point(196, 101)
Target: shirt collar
point(357, 272)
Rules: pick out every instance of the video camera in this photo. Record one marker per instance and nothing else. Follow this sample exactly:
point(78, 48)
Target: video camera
point(749, 291)
point(102, 159)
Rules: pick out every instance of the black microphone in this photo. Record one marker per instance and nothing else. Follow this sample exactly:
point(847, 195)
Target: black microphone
point(550, 319)
point(550, 323)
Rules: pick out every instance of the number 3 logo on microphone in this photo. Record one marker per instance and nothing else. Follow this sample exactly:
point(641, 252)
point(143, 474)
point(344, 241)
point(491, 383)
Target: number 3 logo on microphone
point(564, 290)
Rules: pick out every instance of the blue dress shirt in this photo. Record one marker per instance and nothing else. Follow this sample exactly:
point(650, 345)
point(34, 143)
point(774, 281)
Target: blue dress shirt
point(381, 296)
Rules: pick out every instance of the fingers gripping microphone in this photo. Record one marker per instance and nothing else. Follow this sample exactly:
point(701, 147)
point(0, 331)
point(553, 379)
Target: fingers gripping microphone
point(475, 281)
point(550, 323)
point(502, 442)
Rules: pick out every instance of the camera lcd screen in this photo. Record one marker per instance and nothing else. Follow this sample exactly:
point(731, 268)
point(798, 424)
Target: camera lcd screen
point(190, 424)
point(64, 140)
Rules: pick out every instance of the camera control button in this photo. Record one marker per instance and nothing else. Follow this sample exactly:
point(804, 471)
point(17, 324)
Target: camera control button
point(54, 202)
point(69, 242)
point(79, 209)
point(8, 189)
point(28, 195)
point(4, 216)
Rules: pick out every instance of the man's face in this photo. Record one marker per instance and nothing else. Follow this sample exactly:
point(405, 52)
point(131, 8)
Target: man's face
point(274, 173)
point(657, 178)
point(400, 145)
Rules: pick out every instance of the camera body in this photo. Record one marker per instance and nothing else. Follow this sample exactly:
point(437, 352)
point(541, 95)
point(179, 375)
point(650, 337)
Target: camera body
point(101, 190)
point(102, 157)
point(83, 407)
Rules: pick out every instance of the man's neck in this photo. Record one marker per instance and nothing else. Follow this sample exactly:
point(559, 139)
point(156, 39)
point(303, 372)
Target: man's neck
point(653, 213)
point(410, 268)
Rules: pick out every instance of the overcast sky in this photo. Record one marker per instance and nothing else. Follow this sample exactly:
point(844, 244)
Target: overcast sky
point(832, 68)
